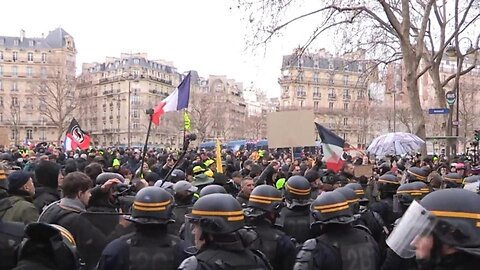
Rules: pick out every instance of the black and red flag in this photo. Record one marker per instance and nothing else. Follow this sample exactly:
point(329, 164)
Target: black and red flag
point(76, 137)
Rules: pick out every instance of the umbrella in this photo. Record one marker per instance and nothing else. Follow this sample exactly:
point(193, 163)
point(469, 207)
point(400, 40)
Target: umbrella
point(397, 143)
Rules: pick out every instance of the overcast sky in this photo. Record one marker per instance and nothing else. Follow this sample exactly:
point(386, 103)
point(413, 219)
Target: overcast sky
point(202, 35)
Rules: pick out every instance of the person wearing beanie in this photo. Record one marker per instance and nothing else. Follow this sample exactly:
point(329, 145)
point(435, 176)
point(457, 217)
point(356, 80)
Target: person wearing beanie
point(18, 207)
point(3, 182)
point(46, 174)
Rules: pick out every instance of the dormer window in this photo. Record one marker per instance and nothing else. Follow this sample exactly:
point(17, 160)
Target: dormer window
point(31, 43)
point(15, 42)
point(136, 61)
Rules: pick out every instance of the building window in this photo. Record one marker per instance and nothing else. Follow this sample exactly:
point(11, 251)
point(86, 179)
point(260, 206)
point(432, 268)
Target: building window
point(300, 103)
point(360, 94)
point(1, 55)
point(14, 71)
point(43, 72)
point(1, 102)
point(1, 86)
point(136, 61)
point(315, 105)
point(29, 71)
point(15, 42)
point(14, 101)
point(29, 134)
point(135, 114)
point(13, 134)
point(345, 79)
point(345, 106)
point(1, 70)
point(31, 43)
point(14, 86)
point(330, 65)
point(316, 92)
point(15, 56)
point(315, 77)
point(331, 93)
point(44, 57)
point(30, 56)
point(345, 121)
point(301, 91)
point(345, 136)
point(300, 76)
point(330, 105)
point(346, 94)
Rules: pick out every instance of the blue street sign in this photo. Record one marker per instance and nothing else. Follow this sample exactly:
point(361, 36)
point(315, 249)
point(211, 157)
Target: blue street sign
point(439, 111)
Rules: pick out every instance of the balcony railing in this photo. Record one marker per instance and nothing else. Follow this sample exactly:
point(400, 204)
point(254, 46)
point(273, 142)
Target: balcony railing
point(332, 96)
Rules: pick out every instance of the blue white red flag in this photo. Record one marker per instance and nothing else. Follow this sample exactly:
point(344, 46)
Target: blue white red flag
point(176, 101)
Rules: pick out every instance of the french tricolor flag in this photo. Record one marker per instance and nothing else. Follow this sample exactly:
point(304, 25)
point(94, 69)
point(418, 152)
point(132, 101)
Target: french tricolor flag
point(176, 101)
point(332, 146)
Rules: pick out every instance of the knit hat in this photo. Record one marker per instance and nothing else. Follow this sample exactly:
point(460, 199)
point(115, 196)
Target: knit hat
point(17, 179)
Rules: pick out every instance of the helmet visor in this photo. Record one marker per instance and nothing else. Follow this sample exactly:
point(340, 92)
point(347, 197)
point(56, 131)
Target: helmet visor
point(416, 221)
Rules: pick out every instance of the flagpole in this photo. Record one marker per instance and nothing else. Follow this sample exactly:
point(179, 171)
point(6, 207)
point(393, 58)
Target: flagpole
point(149, 112)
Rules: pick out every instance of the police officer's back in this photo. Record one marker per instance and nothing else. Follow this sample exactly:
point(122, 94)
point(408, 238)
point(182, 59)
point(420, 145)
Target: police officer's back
point(184, 198)
point(222, 242)
point(338, 245)
point(387, 185)
point(48, 247)
point(150, 246)
point(295, 217)
point(264, 206)
point(11, 235)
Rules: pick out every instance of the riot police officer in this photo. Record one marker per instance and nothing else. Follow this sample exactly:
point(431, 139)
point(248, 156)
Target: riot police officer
point(48, 246)
point(338, 245)
point(387, 186)
point(416, 174)
point(446, 234)
point(453, 180)
point(150, 246)
point(406, 194)
point(184, 199)
point(264, 206)
point(218, 222)
point(295, 217)
point(211, 189)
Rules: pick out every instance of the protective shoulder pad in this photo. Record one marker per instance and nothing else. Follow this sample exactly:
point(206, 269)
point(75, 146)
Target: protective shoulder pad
point(304, 258)
point(189, 263)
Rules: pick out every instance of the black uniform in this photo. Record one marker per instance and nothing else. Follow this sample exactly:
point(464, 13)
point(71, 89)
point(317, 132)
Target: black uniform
point(295, 222)
point(275, 244)
point(45, 196)
point(144, 249)
point(231, 255)
point(11, 235)
point(385, 209)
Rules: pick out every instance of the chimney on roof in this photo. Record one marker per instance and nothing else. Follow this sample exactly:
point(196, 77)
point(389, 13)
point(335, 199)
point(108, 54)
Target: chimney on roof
point(22, 35)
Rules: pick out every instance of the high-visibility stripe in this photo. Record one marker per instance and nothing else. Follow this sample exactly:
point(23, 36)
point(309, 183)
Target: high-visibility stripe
point(147, 204)
point(65, 233)
point(416, 193)
point(388, 182)
point(298, 191)
point(352, 201)
point(359, 192)
point(217, 213)
point(149, 209)
point(321, 207)
point(456, 180)
point(456, 214)
point(265, 198)
point(408, 191)
point(237, 218)
point(334, 209)
point(425, 190)
point(421, 177)
point(259, 201)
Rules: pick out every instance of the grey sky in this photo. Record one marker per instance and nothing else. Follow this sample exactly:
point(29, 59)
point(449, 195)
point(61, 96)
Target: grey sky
point(204, 35)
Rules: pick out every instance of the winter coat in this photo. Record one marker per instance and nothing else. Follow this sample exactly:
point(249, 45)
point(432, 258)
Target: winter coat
point(45, 196)
point(18, 208)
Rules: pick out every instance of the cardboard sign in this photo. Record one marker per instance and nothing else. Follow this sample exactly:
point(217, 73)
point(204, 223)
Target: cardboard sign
point(364, 170)
point(290, 129)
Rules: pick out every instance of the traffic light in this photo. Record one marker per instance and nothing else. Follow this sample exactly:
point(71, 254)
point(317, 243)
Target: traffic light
point(477, 135)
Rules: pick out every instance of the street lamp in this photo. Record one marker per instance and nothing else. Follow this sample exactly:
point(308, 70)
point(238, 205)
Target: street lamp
point(454, 52)
point(129, 77)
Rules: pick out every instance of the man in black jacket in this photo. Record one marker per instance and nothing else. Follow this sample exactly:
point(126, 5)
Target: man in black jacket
point(46, 174)
point(69, 213)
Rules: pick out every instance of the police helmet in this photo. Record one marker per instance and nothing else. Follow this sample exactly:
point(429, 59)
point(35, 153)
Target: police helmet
point(266, 198)
point(105, 176)
point(217, 214)
point(453, 180)
point(409, 192)
point(152, 205)
point(297, 190)
point(331, 207)
point(177, 175)
point(358, 189)
point(61, 241)
point(352, 200)
point(458, 214)
point(416, 174)
point(388, 183)
point(471, 183)
point(211, 189)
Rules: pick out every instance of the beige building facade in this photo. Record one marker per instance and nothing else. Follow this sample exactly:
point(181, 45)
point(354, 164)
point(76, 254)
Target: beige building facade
point(115, 95)
point(335, 88)
point(29, 68)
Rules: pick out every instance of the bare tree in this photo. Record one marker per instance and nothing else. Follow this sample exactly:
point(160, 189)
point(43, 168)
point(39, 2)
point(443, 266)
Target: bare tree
point(201, 114)
point(467, 109)
point(57, 99)
point(388, 30)
point(14, 119)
